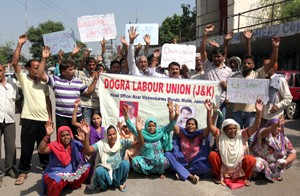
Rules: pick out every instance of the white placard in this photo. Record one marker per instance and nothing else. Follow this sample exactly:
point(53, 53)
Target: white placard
point(142, 30)
point(241, 90)
point(95, 27)
point(60, 40)
point(182, 54)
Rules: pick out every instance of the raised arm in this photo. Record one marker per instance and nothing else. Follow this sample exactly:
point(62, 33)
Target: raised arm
point(137, 50)
point(255, 126)
point(274, 55)
point(125, 45)
point(172, 114)
point(41, 70)
point(87, 149)
point(248, 36)
point(75, 51)
point(206, 131)
point(140, 139)
point(43, 146)
point(210, 125)
point(147, 41)
point(227, 38)
point(92, 86)
point(86, 54)
point(208, 29)
point(15, 60)
point(133, 69)
point(74, 115)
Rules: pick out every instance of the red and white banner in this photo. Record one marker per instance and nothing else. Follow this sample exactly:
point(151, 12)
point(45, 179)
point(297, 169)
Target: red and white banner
point(148, 97)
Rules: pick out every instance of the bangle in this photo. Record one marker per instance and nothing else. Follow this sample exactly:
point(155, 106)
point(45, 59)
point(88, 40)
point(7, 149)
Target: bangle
point(46, 138)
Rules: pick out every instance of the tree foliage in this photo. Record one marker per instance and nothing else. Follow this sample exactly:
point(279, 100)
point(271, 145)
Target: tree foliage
point(35, 36)
point(183, 27)
point(291, 11)
point(6, 52)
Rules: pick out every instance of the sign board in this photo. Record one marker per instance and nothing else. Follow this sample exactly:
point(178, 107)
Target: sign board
point(241, 90)
point(182, 54)
point(142, 30)
point(148, 97)
point(94, 27)
point(60, 40)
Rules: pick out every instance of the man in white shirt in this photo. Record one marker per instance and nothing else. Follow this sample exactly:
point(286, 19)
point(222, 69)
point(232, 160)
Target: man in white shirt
point(279, 96)
point(8, 96)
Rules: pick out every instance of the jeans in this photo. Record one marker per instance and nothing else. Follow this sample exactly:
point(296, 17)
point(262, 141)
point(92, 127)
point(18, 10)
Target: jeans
point(87, 114)
point(245, 120)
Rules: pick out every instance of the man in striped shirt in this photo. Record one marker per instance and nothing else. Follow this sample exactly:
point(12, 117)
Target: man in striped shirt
point(67, 89)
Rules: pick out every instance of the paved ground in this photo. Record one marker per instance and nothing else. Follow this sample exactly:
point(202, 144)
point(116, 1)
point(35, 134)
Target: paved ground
point(139, 185)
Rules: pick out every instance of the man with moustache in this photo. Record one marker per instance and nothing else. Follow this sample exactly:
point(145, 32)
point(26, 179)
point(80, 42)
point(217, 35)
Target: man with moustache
point(215, 70)
point(36, 111)
point(244, 114)
point(89, 103)
point(8, 95)
point(279, 96)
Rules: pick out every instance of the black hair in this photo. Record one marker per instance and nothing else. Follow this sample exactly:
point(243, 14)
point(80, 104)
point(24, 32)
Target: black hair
point(115, 61)
point(173, 63)
point(98, 66)
point(186, 108)
point(96, 112)
point(196, 122)
point(111, 127)
point(217, 51)
point(28, 64)
point(65, 64)
point(90, 59)
point(249, 56)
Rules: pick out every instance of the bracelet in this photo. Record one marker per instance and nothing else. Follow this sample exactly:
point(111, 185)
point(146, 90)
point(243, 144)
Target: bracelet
point(46, 138)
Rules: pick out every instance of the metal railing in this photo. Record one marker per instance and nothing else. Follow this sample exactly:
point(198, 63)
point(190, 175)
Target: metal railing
point(260, 21)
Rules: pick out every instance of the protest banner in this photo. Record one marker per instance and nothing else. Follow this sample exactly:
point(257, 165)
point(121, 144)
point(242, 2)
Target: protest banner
point(183, 54)
point(142, 30)
point(94, 27)
point(241, 90)
point(64, 40)
point(148, 97)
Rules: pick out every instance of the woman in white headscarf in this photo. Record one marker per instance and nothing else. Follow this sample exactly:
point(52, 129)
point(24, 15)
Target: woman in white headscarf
point(233, 161)
point(110, 170)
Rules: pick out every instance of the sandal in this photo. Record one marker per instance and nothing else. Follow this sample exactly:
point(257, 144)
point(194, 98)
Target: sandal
point(247, 182)
point(217, 181)
point(279, 179)
point(21, 179)
point(123, 188)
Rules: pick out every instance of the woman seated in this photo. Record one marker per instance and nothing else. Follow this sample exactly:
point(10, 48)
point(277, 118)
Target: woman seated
point(157, 140)
point(110, 169)
point(65, 167)
point(125, 133)
point(190, 150)
point(232, 161)
point(273, 151)
point(96, 131)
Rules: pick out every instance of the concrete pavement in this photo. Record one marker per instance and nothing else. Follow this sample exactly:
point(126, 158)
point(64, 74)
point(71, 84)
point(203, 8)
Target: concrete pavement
point(140, 185)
